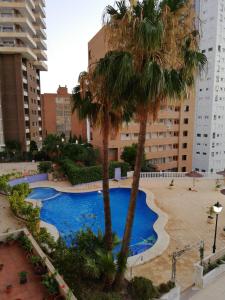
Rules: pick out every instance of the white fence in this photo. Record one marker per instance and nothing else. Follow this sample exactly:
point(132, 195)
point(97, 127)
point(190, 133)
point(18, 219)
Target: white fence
point(177, 175)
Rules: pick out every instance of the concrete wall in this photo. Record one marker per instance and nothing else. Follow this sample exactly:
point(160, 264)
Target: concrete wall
point(23, 167)
point(29, 179)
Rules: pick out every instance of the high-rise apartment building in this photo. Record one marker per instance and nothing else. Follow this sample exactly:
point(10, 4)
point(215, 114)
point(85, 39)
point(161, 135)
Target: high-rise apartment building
point(209, 144)
point(22, 57)
point(169, 140)
point(57, 115)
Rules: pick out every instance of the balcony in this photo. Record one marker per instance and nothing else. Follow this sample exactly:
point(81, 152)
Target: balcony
point(40, 32)
point(21, 7)
point(41, 55)
point(40, 21)
point(40, 65)
point(24, 68)
point(40, 9)
point(27, 118)
point(23, 36)
point(25, 51)
point(24, 23)
point(25, 93)
point(27, 130)
point(40, 43)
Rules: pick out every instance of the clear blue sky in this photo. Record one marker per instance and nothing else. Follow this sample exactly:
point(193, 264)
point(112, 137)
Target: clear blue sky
point(70, 25)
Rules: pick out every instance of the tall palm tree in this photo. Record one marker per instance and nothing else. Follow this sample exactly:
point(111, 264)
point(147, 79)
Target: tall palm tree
point(99, 96)
point(163, 42)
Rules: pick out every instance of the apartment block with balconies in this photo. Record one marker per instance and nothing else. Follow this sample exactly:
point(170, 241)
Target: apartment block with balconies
point(169, 140)
point(22, 57)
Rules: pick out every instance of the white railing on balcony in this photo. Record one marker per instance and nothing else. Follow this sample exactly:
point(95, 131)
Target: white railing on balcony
point(164, 175)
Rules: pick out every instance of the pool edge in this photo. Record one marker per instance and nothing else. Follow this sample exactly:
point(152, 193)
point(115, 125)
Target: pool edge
point(163, 239)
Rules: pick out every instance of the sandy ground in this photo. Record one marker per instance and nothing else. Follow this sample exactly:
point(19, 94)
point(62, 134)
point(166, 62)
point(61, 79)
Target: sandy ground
point(187, 224)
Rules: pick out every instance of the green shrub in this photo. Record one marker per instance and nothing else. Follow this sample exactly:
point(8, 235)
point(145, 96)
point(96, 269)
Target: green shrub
point(22, 189)
point(103, 296)
point(45, 167)
point(77, 175)
point(142, 288)
point(125, 167)
point(164, 288)
point(4, 186)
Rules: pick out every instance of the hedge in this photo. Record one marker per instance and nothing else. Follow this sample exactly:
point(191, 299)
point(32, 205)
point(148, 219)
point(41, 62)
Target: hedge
point(77, 175)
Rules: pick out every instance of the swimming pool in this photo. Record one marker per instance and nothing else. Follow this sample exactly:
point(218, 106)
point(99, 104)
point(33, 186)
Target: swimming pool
point(70, 212)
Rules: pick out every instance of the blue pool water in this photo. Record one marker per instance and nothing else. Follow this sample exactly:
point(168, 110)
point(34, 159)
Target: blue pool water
point(70, 212)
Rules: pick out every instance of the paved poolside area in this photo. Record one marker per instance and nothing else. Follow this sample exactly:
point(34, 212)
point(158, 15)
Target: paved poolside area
point(187, 223)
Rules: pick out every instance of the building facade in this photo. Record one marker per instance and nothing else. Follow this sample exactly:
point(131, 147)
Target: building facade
point(58, 117)
point(169, 140)
point(209, 142)
point(22, 57)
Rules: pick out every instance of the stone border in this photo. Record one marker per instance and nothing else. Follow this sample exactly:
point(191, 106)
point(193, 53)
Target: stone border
point(159, 226)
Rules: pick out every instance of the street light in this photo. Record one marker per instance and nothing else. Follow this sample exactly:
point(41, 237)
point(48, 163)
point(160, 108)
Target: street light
point(217, 209)
point(63, 140)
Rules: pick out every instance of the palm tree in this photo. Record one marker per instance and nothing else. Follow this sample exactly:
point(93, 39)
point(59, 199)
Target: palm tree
point(163, 42)
point(99, 96)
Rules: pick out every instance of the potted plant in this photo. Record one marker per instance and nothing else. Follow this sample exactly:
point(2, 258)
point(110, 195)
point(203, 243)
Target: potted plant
point(218, 185)
point(23, 277)
point(211, 215)
point(9, 288)
point(38, 264)
point(171, 185)
point(50, 284)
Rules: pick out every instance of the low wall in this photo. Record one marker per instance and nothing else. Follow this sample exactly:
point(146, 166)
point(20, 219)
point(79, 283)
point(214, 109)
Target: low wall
point(173, 294)
point(201, 280)
point(6, 168)
point(63, 287)
point(29, 179)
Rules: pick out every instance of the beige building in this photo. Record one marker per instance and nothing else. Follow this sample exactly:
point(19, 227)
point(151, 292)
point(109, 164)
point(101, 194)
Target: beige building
point(169, 140)
point(58, 117)
point(22, 57)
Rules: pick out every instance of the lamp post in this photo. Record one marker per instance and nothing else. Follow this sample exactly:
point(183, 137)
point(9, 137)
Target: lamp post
point(217, 209)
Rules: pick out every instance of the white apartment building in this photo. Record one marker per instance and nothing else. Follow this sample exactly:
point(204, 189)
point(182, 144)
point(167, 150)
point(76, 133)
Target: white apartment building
point(209, 141)
point(22, 57)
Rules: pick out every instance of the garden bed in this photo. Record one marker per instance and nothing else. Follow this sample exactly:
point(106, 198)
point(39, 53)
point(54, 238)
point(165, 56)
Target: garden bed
point(32, 264)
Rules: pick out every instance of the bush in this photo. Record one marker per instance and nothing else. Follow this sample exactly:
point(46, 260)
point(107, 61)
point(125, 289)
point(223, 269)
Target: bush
point(77, 175)
point(45, 167)
point(102, 296)
point(166, 287)
point(142, 288)
point(4, 186)
point(22, 189)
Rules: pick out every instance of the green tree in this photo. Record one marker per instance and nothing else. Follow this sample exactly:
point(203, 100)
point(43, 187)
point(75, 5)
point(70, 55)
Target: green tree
point(33, 148)
point(129, 155)
point(100, 97)
point(52, 144)
point(163, 42)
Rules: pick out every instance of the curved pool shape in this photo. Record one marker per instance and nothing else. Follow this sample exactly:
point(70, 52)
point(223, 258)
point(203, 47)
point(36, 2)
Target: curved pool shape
point(70, 212)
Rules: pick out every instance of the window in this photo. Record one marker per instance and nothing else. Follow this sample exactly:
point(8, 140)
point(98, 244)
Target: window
point(183, 169)
point(199, 135)
point(184, 145)
point(210, 49)
point(185, 133)
point(186, 121)
point(205, 135)
point(184, 157)
point(186, 108)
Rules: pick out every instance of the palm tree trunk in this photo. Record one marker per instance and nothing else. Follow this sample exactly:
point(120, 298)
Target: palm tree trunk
point(107, 210)
point(123, 255)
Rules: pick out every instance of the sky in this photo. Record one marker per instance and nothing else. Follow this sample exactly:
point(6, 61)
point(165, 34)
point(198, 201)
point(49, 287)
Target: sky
point(70, 25)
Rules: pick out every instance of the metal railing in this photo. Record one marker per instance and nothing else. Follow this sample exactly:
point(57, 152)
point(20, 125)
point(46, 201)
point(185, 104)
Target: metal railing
point(164, 175)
